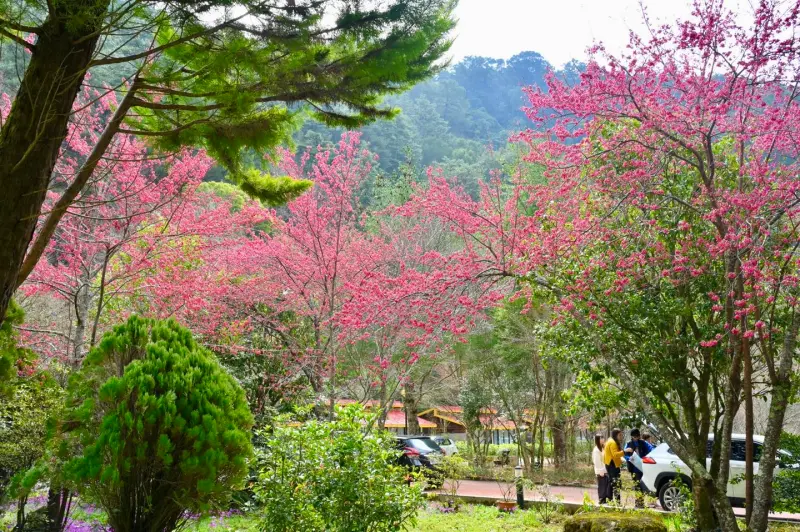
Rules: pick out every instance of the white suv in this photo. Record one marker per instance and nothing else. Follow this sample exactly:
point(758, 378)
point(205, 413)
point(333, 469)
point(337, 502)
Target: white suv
point(662, 466)
point(447, 445)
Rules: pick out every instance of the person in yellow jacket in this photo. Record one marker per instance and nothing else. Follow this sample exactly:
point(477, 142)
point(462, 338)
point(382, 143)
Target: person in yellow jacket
point(612, 458)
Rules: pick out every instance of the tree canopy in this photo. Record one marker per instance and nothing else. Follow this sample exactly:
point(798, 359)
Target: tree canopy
point(222, 75)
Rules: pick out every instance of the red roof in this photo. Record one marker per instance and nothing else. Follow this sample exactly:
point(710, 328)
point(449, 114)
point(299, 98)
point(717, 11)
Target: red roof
point(495, 422)
point(488, 418)
point(396, 419)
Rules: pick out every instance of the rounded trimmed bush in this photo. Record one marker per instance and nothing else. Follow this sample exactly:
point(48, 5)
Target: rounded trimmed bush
point(155, 428)
point(614, 521)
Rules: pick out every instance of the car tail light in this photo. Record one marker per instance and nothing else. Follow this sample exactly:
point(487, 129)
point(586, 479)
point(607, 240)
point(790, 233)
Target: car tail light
point(410, 451)
point(444, 452)
point(648, 460)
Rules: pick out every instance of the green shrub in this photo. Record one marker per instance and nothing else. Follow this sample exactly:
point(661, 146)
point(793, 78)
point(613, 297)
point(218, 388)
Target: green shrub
point(453, 469)
point(154, 428)
point(614, 522)
point(786, 486)
point(786, 491)
point(332, 476)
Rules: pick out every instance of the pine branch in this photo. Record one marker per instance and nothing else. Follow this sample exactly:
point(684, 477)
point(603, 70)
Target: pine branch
point(17, 39)
point(158, 49)
point(19, 27)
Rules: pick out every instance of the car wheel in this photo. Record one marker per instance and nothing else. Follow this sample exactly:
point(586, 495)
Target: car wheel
point(670, 497)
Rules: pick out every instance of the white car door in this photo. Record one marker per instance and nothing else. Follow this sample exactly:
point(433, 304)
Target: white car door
point(735, 468)
point(736, 486)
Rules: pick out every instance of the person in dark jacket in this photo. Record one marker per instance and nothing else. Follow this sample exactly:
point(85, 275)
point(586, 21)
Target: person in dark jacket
point(646, 437)
point(642, 448)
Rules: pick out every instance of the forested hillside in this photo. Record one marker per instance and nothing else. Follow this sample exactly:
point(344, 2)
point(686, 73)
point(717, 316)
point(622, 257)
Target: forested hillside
point(460, 120)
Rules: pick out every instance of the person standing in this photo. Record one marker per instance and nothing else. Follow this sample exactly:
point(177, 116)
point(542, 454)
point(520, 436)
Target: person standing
point(600, 469)
point(646, 439)
point(612, 459)
point(641, 448)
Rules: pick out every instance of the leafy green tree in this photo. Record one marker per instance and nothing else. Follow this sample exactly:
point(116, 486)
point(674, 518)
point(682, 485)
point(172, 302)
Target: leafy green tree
point(526, 377)
point(226, 192)
point(224, 75)
point(12, 357)
point(475, 400)
point(332, 476)
point(394, 142)
point(154, 428)
point(23, 426)
point(433, 131)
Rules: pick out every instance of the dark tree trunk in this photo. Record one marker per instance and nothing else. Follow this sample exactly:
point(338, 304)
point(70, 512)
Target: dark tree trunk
point(31, 137)
point(781, 394)
point(558, 433)
point(747, 391)
point(21, 502)
point(58, 507)
point(410, 406)
point(704, 509)
point(762, 497)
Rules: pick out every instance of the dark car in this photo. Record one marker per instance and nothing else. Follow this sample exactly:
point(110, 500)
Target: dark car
point(420, 454)
point(425, 446)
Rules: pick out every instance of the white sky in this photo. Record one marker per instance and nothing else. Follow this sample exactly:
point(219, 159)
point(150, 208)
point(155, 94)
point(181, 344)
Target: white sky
point(560, 30)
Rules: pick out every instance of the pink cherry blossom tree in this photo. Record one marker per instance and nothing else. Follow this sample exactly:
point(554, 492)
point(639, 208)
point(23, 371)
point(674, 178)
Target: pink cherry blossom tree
point(141, 237)
point(666, 229)
point(399, 319)
point(338, 286)
point(314, 255)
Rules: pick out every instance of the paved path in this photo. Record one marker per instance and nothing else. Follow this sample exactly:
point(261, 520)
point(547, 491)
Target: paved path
point(489, 489)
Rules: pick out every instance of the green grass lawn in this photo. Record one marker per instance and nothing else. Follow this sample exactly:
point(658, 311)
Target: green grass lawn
point(482, 519)
point(431, 519)
point(468, 519)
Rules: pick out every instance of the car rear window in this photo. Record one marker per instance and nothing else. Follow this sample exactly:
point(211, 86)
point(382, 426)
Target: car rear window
point(423, 444)
point(443, 441)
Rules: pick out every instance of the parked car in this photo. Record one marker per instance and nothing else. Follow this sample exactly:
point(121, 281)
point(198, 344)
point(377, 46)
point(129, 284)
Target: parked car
point(447, 445)
point(425, 446)
point(662, 468)
point(415, 460)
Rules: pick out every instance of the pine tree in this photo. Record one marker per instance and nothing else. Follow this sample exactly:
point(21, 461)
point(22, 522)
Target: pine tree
point(158, 429)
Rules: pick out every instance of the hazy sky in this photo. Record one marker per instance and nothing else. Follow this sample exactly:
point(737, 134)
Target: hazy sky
point(560, 30)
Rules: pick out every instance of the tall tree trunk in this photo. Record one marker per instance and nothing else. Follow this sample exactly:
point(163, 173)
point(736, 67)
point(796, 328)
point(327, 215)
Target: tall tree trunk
point(781, 393)
point(83, 300)
point(703, 507)
point(762, 496)
point(31, 137)
point(21, 503)
point(747, 391)
point(541, 445)
point(558, 433)
point(59, 502)
point(410, 405)
point(534, 434)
